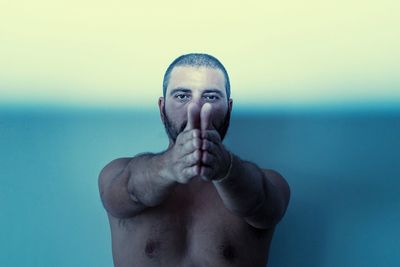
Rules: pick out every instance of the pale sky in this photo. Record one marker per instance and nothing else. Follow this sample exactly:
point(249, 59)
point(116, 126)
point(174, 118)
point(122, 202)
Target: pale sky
point(276, 52)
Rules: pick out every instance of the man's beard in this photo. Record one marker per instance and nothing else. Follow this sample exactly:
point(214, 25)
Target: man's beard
point(173, 132)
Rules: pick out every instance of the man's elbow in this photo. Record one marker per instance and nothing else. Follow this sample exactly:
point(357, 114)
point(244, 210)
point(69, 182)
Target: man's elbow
point(274, 206)
point(282, 191)
point(117, 206)
point(114, 195)
point(265, 218)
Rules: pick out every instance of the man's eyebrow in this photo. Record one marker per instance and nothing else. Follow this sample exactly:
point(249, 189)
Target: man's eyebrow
point(214, 91)
point(180, 89)
point(186, 90)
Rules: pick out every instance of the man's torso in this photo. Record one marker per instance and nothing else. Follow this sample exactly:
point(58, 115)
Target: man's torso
point(191, 227)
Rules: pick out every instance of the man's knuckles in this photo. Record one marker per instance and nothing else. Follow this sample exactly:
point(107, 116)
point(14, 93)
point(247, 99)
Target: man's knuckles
point(207, 158)
point(211, 135)
point(188, 173)
point(189, 147)
point(206, 145)
point(187, 135)
point(190, 158)
point(197, 142)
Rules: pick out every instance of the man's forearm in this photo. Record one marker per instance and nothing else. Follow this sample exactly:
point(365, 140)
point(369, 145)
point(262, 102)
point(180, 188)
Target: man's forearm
point(146, 181)
point(247, 192)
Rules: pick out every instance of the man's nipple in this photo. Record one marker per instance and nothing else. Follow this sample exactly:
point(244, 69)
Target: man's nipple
point(228, 251)
point(152, 248)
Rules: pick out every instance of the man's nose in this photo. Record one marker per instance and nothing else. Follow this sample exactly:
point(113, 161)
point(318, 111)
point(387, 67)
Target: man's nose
point(199, 101)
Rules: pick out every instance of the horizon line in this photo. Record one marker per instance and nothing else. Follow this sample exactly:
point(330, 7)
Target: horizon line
point(324, 106)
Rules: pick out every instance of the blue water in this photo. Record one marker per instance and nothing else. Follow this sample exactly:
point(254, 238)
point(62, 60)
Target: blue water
point(343, 169)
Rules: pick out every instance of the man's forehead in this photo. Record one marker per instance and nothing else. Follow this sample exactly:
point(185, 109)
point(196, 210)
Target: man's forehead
point(193, 77)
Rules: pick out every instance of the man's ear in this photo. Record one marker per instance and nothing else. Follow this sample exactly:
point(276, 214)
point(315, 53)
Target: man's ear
point(161, 104)
point(230, 104)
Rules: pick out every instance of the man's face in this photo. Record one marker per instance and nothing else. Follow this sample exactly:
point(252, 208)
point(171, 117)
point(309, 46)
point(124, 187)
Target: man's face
point(199, 85)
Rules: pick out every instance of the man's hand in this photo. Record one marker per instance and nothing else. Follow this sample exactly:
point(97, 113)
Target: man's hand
point(183, 159)
point(215, 158)
point(198, 149)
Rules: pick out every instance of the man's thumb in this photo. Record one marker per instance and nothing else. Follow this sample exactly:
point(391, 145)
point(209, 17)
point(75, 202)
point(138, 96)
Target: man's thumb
point(193, 117)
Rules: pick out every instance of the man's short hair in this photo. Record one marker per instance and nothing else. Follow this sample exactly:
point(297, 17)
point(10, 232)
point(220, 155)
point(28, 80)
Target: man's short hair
point(197, 60)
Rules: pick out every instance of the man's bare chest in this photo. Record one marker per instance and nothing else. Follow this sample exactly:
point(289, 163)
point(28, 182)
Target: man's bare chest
point(192, 223)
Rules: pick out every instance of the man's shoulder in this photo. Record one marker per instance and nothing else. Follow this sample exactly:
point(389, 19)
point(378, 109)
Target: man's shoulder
point(110, 171)
point(115, 166)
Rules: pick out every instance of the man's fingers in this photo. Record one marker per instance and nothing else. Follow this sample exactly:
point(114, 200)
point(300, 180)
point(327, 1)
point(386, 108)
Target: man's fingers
point(192, 158)
point(209, 146)
point(188, 135)
point(191, 146)
point(208, 159)
point(191, 171)
point(211, 135)
point(205, 117)
point(193, 117)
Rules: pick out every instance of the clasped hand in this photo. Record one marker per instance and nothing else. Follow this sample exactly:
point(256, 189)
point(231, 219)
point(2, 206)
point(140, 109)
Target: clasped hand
point(198, 150)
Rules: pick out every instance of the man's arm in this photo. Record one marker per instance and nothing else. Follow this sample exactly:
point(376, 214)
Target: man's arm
point(129, 185)
point(259, 196)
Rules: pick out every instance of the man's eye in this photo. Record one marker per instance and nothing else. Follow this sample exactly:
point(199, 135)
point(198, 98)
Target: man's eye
point(211, 97)
point(181, 96)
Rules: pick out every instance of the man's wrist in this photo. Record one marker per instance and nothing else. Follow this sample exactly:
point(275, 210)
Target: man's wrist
point(164, 166)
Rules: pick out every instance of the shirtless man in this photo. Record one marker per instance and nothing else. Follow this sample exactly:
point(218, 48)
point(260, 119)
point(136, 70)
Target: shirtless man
point(196, 203)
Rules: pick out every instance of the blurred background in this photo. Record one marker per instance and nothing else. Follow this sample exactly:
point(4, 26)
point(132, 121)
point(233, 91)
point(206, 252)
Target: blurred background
point(316, 92)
